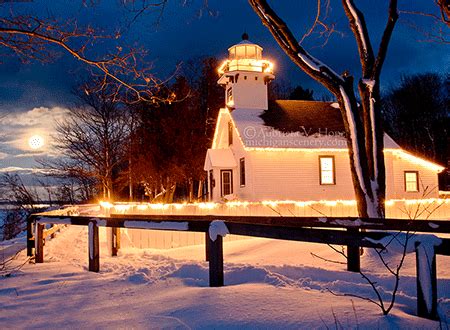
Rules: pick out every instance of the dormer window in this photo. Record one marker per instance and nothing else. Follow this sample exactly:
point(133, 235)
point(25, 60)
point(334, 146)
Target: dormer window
point(230, 133)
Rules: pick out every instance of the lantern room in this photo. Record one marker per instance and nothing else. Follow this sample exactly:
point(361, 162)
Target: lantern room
point(246, 56)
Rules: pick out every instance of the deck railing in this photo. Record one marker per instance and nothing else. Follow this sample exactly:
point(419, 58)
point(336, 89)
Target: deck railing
point(349, 231)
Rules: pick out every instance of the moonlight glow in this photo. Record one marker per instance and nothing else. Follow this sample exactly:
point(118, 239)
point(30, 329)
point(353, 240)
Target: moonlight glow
point(36, 142)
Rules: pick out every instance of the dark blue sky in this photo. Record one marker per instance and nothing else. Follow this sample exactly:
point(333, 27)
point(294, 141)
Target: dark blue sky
point(34, 94)
point(184, 34)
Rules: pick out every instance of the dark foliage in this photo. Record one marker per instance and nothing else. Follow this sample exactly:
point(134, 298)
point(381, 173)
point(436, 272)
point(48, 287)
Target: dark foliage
point(416, 114)
point(282, 90)
point(301, 94)
point(170, 141)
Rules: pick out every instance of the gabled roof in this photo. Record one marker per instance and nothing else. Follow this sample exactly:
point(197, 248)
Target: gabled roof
point(294, 124)
point(292, 115)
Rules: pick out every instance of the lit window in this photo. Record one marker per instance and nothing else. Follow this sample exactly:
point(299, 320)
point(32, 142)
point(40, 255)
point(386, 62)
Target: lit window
point(226, 182)
point(230, 133)
point(251, 52)
point(242, 171)
point(232, 53)
point(411, 181)
point(240, 52)
point(327, 175)
point(229, 95)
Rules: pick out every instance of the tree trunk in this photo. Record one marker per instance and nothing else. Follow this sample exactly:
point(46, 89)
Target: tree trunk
point(191, 190)
point(362, 124)
point(130, 181)
point(200, 191)
point(364, 152)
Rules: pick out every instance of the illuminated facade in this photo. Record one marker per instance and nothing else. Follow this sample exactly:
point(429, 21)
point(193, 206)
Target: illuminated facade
point(292, 150)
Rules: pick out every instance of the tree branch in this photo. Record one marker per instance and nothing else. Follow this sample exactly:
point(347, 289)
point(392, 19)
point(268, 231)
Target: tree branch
point(31, 38)
point(282, 34)
point(359, 28)
point(385, 39)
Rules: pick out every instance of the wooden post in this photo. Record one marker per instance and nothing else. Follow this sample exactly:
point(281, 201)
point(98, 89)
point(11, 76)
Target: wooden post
point(94, 250)
point(39, 243)
point(207, 246)
point(215, 261)
point(115, 241)
point(118, 238)
point(30, 242)
point(353, 254)
point(425, 265)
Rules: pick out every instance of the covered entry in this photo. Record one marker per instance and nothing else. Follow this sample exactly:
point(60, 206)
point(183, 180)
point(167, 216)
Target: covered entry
point(220, 165)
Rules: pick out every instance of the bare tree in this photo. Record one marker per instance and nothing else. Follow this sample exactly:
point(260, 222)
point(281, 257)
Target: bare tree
point(362, 123)
point(24, 201)
point(123, 71)
point(92, 140)
point(437, 24)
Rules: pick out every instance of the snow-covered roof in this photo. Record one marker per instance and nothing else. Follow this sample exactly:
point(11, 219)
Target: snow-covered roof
point(219, 158)
point(294, 124)
point(245, 43)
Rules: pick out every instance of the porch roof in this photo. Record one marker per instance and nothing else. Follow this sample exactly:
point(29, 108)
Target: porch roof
point(222, 158)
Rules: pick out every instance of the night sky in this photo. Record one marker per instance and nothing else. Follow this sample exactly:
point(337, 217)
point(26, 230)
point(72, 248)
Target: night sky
point(34, 95)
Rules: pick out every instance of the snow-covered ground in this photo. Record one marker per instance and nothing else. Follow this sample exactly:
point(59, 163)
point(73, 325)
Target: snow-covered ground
point(269, 284)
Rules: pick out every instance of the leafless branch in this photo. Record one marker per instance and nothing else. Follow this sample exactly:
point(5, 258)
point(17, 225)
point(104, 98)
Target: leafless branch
point(31, 38)
point(320, 26)
point(328, 260)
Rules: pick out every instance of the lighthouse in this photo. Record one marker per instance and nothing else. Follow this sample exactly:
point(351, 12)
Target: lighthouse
point(245, 76)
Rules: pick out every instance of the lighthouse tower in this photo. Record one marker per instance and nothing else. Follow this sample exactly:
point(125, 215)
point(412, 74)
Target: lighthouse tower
point(245, 76)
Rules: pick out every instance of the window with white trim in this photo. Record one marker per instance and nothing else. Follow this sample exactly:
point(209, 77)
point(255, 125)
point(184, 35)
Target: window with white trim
point(230, 133)
point(411, 181)
point(226, 182)
point(242, 171)
point(327, 170)
point(211, 184)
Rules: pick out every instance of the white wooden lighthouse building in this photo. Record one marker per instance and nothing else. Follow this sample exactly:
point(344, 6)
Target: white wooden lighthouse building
point(291, 150)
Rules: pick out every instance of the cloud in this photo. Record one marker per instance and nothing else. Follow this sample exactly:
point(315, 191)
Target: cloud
point(30, 154)
point(36, 117)
point(18, 128)
point(25, 170)
point(15, 169)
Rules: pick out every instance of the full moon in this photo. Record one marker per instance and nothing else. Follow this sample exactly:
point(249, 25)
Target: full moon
point(36, 142)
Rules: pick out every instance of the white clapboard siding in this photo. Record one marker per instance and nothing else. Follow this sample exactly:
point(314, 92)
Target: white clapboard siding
point(284, 175)
point(432, 209)
point(164, 239)
point(428, 180)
